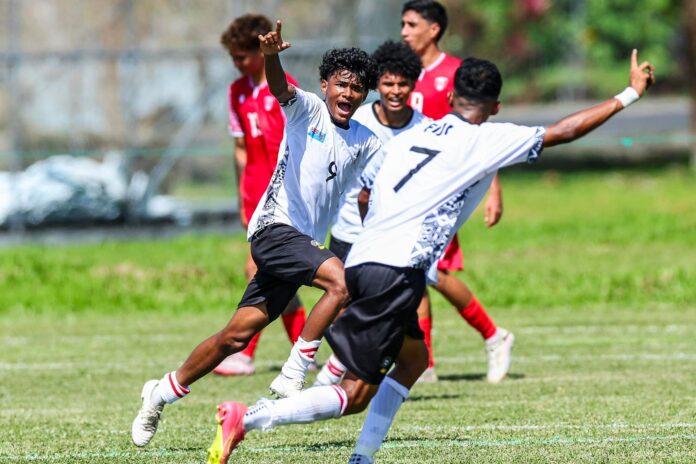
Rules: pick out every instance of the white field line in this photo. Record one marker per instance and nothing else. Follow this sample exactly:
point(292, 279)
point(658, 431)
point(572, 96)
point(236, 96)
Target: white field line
point(425, 444)
point(531, 330)
point(98, 365)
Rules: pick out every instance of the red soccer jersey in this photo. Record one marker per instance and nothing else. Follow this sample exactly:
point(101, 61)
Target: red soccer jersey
point(256, 115)
point(434, 83)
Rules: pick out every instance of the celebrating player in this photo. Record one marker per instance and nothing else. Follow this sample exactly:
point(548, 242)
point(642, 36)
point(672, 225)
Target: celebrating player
point(423, 22)
point(399, 68)
point(417, 203)
point(257, 123)
point(321, 149)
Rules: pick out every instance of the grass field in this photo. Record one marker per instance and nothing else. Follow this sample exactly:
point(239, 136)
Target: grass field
point(595, 274)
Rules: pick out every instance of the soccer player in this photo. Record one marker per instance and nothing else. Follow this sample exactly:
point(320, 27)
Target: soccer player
point(257, 123)
point(423, 22)
point(321, 150)
point(398, 69)
point(416, 204)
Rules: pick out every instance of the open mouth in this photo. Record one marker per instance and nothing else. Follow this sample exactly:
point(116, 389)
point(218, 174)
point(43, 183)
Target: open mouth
point(344, 107)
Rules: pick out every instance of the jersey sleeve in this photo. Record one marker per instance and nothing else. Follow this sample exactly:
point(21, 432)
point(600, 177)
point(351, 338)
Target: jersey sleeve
point(507, 144)
point(301, 105)
point(234, 127)
point(374, 158)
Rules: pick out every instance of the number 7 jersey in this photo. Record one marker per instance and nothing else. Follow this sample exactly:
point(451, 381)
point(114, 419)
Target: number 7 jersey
point(431, 180)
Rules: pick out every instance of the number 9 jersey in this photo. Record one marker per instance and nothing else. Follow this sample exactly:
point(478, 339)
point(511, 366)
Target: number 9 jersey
point(432, 178)
point(255, 115)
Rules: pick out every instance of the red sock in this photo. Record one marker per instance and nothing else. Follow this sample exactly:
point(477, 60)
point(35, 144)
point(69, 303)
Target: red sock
point(479, 319)
point(251, 347)
point(294, 323)
point(426, 325)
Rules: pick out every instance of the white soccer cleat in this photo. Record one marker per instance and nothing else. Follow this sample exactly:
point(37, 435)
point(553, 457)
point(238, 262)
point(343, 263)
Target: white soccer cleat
point(499, 355)
point(428, 376)
point(286, 387)
point(145, 423)
point(235, 364)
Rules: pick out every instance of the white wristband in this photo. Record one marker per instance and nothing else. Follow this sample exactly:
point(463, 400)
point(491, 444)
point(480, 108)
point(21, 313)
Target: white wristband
point(628, 96)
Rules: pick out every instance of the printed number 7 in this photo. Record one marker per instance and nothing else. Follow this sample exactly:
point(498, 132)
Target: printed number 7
point(430, 154)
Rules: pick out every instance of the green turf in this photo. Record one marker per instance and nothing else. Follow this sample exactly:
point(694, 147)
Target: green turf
point(595, 273)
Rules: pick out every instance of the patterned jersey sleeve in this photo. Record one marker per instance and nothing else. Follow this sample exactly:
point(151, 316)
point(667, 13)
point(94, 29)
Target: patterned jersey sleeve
point(507, 144)
point(301, 105)
point(235, 127)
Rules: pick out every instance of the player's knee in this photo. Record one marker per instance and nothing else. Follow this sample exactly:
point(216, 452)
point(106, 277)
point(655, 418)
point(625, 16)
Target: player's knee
point(358, 400)
point(337, 288)
point(232, 341)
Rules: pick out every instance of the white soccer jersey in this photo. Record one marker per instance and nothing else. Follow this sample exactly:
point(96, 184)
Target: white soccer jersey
point(316, 161)
point(349, 223)
point(420, 196)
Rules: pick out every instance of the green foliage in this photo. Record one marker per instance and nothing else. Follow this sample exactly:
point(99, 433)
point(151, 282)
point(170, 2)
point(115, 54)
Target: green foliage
point(572, 48)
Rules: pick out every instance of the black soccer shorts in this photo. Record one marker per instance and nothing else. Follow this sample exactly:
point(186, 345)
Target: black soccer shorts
point(340, 248)
point(286, 260)
point(367, 337)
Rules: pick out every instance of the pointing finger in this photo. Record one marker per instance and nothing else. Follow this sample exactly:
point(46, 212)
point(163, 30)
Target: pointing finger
point(279, 26)
point(634, 58)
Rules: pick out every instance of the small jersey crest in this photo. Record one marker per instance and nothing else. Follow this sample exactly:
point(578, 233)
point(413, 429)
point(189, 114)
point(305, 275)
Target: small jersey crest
point(242, 98)
point(316, 244)
point(268, 102)
point(441, 83)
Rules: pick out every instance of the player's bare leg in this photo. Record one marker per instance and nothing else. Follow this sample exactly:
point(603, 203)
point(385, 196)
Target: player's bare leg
point(293, 317)
point(499, 342)
point(245, 323)
point(330, 278)
point(352, 396)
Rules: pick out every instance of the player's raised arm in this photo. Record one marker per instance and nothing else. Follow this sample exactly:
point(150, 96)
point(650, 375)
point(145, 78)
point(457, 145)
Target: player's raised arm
point(271, 44)
point(576, 125)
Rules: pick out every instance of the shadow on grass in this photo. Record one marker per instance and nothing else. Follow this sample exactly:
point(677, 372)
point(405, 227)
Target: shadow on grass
point(474, 377)
point(444, 396)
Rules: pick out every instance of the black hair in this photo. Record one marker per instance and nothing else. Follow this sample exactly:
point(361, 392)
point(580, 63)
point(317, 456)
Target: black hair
point(397, 58)
point(479, 81)
point(353, 60)
point(431, 11)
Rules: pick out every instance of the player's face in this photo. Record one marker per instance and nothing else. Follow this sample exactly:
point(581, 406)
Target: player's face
point(417, 32)
point(248, 62)
point(394, 90)
point(344, 94)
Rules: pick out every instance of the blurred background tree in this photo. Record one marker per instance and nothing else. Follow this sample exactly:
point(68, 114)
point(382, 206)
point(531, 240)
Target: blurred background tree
point(569, 49)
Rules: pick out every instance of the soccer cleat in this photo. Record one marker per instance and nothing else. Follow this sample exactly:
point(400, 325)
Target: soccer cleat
point(428, 376)
point(230, 431)
point(145, 423)
point(359, 459)
point(285, 387)
point(499, 354)
point(235, 364)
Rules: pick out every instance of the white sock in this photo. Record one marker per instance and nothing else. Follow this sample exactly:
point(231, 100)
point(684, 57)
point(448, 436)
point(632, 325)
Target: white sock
point(332, 372)
point(301, 355)
point(169, 390)
point(313, 404)
point(384, 406)
point(493, 339)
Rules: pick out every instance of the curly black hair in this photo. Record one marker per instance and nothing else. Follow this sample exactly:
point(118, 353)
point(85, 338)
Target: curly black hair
point(397, 58)
point(353, 60)
point(432, 11)
point(478, 81)
point(244, 32)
